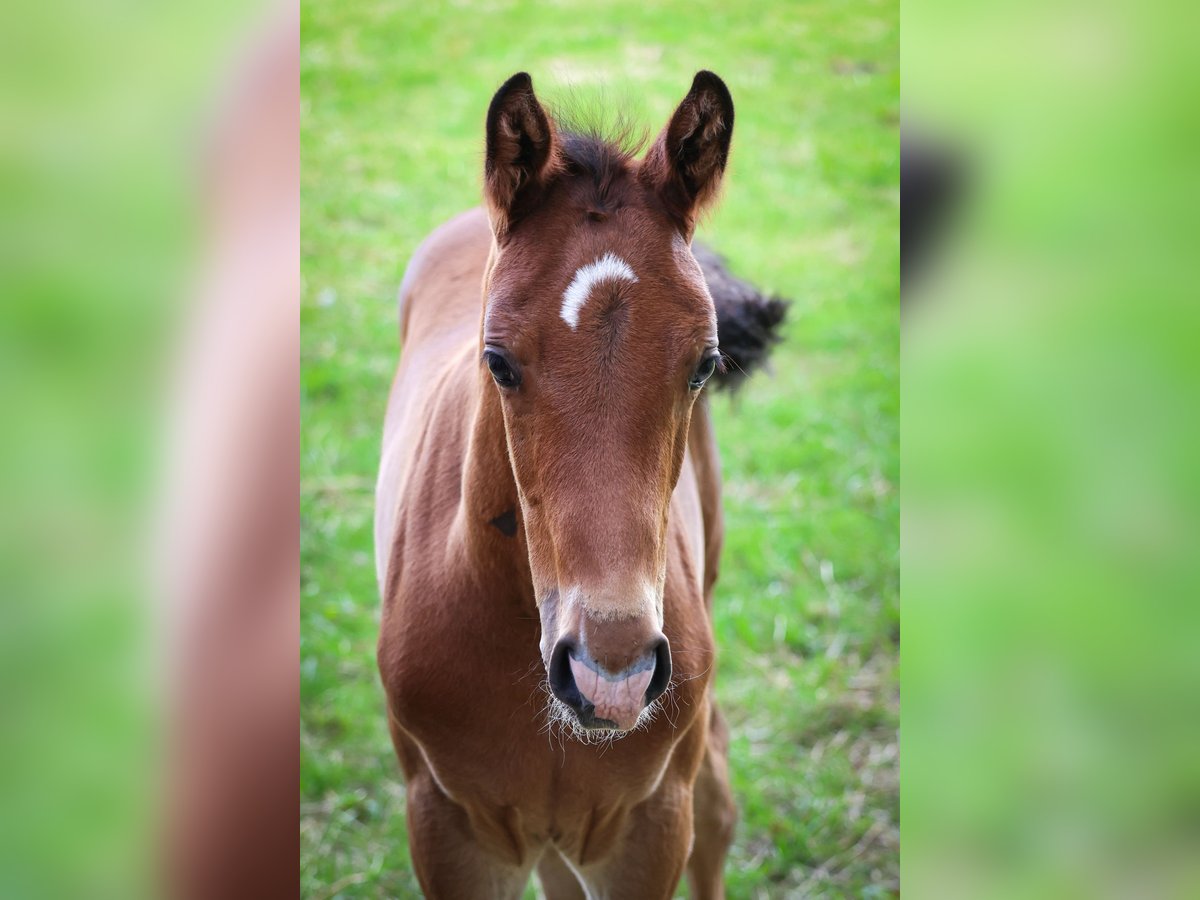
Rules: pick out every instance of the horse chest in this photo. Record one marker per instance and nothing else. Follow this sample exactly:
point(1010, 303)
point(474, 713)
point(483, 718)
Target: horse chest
point(529, 792)
point(446, 662)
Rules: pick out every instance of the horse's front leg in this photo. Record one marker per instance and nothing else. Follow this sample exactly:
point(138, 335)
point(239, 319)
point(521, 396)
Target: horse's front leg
point(449, 859)
point(649, 860)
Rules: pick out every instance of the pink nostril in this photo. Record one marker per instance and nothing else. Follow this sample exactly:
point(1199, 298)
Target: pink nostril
point(620, 700)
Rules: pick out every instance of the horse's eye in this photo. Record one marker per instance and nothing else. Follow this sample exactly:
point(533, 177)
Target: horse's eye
point(503, 372)
point(704, 371)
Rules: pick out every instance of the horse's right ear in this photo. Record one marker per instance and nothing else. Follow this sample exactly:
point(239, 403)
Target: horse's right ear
point(522, 152)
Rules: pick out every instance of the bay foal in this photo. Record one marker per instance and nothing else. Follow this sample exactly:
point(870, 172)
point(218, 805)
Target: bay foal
point(548, 515)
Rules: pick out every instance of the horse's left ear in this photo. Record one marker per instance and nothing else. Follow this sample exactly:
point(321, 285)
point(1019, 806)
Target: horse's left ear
point(687, 161)
point(522, 152)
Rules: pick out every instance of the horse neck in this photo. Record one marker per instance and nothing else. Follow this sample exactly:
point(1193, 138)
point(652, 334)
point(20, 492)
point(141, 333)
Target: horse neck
point(490, 507)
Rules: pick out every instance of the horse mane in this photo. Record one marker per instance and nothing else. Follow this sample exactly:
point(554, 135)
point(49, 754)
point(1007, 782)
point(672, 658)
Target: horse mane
point(599, 144)
point(596, 134)
point(603, 147)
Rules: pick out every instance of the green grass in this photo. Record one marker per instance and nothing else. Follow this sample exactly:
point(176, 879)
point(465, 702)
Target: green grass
point(807, 607)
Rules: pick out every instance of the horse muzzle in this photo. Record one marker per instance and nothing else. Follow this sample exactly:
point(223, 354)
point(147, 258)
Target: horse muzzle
point(608, 684)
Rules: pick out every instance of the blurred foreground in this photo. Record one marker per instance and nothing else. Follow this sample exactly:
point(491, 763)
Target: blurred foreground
point(148, 370)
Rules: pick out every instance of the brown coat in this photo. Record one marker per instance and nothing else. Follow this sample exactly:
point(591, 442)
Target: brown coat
point(548, 522)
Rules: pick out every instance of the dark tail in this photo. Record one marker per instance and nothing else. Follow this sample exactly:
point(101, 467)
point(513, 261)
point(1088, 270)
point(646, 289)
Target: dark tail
point(748, 324)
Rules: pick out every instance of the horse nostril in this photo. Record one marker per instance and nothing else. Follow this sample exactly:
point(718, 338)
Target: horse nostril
point(562, 682)
point(662, 671)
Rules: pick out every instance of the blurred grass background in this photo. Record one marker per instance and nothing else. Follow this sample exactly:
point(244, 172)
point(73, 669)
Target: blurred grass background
point(807, 619)
point(1051, 488)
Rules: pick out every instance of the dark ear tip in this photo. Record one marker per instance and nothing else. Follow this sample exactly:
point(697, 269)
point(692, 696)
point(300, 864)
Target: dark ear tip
point(519, 82)
point(710, 81)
